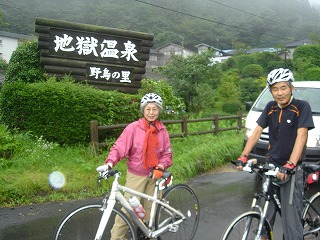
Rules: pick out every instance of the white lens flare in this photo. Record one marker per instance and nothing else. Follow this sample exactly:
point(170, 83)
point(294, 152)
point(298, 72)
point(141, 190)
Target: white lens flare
point(56, 180)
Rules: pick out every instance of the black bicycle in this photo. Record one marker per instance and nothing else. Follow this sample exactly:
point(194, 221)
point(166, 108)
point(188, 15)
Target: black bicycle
point(251, 225)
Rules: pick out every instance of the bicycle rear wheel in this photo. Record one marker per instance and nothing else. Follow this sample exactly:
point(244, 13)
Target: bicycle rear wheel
point(311, 218)
point(182, 198)
point(83, 222)
point(246, 225)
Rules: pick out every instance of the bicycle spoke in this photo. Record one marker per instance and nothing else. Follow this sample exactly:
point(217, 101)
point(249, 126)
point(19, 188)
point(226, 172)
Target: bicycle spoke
point(311, 219)
point(182, 198)
point(82, 224)
point(246, 227)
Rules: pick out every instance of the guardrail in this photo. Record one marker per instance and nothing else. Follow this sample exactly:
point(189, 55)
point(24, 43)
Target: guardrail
point(95, 129)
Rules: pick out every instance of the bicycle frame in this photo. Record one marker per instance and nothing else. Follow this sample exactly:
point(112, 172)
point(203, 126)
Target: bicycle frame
point(268, 197)
point(309, 203)
point(116, 195)
point(262, 210)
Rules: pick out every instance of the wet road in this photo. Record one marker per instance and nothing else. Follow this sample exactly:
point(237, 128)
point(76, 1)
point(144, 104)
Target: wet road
point(223, 195)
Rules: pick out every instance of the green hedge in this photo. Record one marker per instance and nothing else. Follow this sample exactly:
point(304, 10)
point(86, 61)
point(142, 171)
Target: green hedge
point(25, 65)
point(61, 111)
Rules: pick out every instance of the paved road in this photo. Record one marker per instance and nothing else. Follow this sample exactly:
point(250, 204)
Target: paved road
point(223, 195)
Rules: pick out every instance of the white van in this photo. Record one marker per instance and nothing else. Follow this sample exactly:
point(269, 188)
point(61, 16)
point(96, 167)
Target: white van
point(305, 90)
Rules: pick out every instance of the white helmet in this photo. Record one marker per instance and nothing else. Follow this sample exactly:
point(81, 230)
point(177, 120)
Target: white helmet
point(279, 75)
point(150, 98)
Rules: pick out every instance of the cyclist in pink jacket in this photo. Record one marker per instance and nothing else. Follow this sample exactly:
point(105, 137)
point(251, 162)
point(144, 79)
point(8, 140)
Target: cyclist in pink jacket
point(146, 146)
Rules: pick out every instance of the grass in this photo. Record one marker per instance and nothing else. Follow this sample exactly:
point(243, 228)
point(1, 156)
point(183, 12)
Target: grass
point(24, 176)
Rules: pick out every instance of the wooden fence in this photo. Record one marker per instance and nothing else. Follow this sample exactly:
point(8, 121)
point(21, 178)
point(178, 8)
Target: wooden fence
point(95, 129)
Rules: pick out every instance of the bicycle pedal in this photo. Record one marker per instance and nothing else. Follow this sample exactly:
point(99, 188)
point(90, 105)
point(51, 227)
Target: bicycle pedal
point(174, 228)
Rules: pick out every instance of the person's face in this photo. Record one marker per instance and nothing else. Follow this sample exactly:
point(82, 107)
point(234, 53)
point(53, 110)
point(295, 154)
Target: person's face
point(151, 112)
point(281, 93)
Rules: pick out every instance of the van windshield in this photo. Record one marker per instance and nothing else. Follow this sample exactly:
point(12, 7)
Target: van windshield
point(312, 95)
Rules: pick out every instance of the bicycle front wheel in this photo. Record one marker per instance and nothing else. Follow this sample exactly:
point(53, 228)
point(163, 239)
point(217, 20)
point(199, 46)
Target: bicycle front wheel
point(246, 227)
point(83, 222)
point(182, 198)
point(311, 218)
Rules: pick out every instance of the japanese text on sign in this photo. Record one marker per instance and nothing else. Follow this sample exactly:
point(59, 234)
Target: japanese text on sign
point(110, 74)
point(91, 45)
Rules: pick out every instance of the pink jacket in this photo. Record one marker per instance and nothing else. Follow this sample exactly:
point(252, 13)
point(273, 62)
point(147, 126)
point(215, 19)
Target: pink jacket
point(129, 145)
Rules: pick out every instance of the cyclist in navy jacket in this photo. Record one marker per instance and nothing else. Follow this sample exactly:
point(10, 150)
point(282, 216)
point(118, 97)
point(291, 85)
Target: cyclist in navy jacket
point(289, 120)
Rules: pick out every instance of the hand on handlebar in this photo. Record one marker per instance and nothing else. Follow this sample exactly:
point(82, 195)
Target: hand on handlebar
point(242, 161)
point(104, 168)
point(286, 169)
point(157, 172)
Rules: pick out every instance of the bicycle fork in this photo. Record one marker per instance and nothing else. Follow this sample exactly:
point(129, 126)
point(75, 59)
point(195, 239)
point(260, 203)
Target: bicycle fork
point(261, 221)
point(105, 216)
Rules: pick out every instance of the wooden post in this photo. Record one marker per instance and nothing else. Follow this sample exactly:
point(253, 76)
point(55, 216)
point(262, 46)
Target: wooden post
point(240, 120)
point(94, 135)
point(215, 123)
point(184, 125)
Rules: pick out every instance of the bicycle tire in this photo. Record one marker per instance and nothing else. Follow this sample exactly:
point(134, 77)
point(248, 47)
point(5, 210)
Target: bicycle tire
point(82, 224)
point(236, 229)
point(184, 199)
point(311, 219)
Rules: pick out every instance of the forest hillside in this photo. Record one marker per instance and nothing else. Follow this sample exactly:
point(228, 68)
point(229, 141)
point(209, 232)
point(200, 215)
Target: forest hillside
point(257, 23)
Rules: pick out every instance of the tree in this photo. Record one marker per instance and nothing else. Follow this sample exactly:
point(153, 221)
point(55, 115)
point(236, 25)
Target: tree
point(185, 74)
point(252, 70)
point(315, 38)
point(240, 47)
point(25, 64)
point(171, 103)
point(2, 23)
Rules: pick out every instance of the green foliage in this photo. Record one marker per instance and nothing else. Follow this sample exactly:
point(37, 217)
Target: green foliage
point(3, 64)
point(240, 47)
point(61, 111)
point(168, 26)
point(36, 158)
point(24, 64)
point(7, 143)
point(243, 60)
point(277, 64)
point(250, 88)
point(312, 74)
point(310, 52)
point(205, 98)
point(185, 74)
point(227, 91)
point(231, 107)
point(252, 70)
point(315, 38)
point(268, 61)
point(171, 103)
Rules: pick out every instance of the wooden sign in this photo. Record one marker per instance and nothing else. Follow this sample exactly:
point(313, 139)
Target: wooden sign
point(107, 58)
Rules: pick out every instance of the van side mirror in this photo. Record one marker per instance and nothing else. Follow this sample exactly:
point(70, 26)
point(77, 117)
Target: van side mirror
point(248, 106)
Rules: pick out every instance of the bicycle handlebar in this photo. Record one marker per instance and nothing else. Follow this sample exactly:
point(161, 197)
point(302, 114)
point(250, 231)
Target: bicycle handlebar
point(268, 169)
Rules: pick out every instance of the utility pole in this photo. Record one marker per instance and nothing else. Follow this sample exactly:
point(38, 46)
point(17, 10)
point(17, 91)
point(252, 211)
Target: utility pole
point(182, 42)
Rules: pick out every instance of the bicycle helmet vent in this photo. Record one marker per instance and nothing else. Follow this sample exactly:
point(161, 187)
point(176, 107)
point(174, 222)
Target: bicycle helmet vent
point(279, 75)
point(149, 98)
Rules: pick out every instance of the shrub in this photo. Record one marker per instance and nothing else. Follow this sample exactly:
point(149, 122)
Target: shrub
point(172, 105)
point(7, 144)
point(61, 111)
point(312, 74)
point(3, 64)
point(24, 64)
point(252, 70)
point(231, 107)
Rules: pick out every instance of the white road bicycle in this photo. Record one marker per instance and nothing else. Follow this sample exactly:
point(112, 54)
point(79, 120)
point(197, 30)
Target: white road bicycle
point(251, 224)
point(173, 216)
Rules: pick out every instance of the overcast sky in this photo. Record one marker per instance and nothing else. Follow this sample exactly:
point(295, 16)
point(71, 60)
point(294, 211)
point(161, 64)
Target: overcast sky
point(313, 2)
